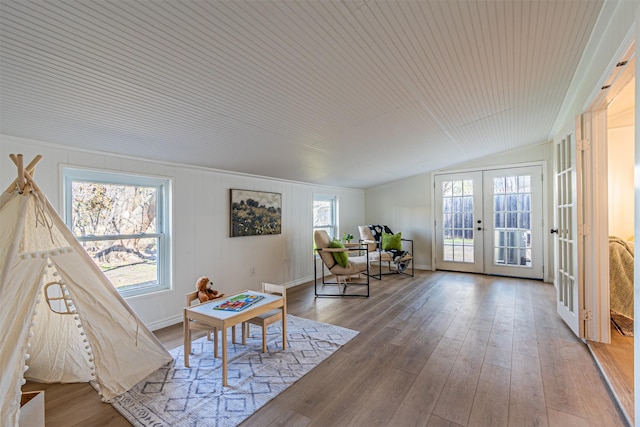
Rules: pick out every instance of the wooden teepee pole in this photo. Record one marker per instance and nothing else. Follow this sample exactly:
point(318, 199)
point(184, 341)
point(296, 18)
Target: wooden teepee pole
point(20, 164)
point(25, 178)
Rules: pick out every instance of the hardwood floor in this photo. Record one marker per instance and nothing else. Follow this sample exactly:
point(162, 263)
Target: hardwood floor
point(439, 349)
point(616, 362)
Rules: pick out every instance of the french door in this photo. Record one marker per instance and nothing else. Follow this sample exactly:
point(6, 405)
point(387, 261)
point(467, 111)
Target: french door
point(459, 240)
point(582, 244)
point(490, 222)
point(568, 185)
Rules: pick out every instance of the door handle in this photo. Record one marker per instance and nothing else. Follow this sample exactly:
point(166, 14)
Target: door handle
point(554, 230)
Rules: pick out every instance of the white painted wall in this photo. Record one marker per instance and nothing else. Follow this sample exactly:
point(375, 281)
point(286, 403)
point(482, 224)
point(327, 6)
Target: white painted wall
point(620, 159)
point(200, 216)
point(404, 206)
point(407, 205)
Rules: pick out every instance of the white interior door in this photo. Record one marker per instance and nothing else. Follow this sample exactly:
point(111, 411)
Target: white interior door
point(513, 231)
point(458, 206)
point(490, 222)
point(567, 247)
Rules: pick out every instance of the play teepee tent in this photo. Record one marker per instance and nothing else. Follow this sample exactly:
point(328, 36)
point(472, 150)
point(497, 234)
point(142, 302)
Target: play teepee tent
point(61, 319)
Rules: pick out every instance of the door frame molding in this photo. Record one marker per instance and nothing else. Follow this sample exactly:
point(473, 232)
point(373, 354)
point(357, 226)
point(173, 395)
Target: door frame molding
point(548, 274)
point(595, 226)
point(595, 193)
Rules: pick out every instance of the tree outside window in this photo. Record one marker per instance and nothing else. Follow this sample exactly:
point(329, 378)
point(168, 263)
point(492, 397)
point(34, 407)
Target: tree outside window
point(119, 220)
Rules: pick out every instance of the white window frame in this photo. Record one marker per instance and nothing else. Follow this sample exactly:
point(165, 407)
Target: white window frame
point(163, 223)
point(333, 224)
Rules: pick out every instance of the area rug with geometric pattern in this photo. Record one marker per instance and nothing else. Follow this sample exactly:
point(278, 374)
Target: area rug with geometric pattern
point(177, 396)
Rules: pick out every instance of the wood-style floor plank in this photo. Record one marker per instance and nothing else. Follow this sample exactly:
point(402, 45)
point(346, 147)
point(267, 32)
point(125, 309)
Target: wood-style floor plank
point(370, 412)
point(560, 387)
point(355, 391)
point(492, 391)
point(598, 403)
point(457, 396)
point(563, 419)
point(440, 349)
point(616, 362)
point(500, 342)
point(423, 394)
point(527, 405)
point(436, 421)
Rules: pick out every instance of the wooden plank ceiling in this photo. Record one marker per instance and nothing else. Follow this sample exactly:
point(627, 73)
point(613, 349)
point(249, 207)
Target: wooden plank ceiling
point(346, 93)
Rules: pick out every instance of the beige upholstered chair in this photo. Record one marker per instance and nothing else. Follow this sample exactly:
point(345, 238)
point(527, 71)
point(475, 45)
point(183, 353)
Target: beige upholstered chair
point(269, 317)
point(352, 279)
point(377, 255)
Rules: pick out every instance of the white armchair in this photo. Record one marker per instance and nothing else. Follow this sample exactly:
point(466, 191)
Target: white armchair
point(386, 247)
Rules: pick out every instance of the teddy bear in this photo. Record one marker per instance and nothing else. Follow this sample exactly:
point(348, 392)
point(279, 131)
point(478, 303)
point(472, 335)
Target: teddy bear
point(206, 291)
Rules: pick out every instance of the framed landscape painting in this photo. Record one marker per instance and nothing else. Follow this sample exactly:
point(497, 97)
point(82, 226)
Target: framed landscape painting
point(255, 213)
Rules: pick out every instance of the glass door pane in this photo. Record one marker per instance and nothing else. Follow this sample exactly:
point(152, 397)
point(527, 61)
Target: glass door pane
point(458, 210)
point(457, 221)
point(513, 229)
point(512, 220)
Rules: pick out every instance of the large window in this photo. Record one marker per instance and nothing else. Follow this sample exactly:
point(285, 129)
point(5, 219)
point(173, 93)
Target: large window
point(325, 214)
point(122, 222)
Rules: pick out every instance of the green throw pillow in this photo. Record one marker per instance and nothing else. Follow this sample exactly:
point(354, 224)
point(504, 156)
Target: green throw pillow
point(391, 242)
point(342, 258)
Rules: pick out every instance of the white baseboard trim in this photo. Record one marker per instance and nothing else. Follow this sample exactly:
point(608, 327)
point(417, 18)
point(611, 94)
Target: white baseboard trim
point(165, 322)
point(298, 282)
